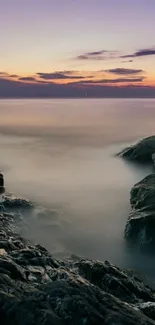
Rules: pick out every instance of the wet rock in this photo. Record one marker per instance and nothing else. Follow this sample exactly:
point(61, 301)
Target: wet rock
point(141, 152)
point(113, 280)
point(153, 158)
point(14, 270)
point(143, 193)
point(148, 308)
point(15, 204)
point(80, 302)
point(140, 228)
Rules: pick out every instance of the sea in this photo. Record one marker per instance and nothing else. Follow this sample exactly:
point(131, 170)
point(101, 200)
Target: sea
point(61, 155)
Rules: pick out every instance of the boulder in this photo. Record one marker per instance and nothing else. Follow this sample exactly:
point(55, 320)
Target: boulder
point(140, 152)
point(140, 227)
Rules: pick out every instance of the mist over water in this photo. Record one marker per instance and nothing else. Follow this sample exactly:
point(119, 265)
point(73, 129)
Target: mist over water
point(61, 154)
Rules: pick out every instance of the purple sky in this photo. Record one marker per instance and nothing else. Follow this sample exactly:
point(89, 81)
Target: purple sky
point(84, 37)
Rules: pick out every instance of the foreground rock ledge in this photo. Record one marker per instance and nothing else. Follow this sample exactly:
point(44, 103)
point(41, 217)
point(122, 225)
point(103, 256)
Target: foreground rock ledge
point(36, 288)
point(141, 152)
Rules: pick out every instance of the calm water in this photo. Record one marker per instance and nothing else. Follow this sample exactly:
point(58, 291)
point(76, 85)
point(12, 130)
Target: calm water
point(60, 153)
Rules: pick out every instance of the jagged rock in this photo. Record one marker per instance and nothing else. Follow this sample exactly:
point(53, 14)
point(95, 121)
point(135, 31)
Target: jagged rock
point(113, 280)
point(140, 228)
point(143, 194)
point(148, 308)
point(141, 152)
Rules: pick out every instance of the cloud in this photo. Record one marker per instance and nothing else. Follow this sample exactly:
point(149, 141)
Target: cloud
point(112, 81)
point(17, 89)
point(68, 72)
point(5, 74)
point(13, 76)
point(128, 61)
point(82, 57)
point(58, 76)
point(27, 79)
point(106, 55)
point(123, 71)
point(97, 55)
point(140, 53)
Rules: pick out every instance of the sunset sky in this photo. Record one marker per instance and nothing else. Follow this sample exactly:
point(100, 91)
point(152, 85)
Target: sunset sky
point(72, 47)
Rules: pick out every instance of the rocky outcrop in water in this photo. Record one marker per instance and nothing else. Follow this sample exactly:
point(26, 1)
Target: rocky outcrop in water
point(141, 152)
point(140, 228)
point(36, 288)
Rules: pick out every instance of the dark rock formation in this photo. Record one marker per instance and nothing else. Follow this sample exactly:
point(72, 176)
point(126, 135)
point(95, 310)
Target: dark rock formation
point(2, 189)
point(36, 288)
point(153, 158)
point(14, 204)
point(140, 152)
point(140, 228)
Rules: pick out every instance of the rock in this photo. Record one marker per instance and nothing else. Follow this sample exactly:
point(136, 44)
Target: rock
point(140, 228)
point(113, 280)
point(153, 158)
point(141, 152)
point(2, 189)
point(2, 252)
point(72, 300)
point(143, 194)
point(79, 302)
point(148, 308)
point(141, 222)
point(11, 203)
point(1, 180)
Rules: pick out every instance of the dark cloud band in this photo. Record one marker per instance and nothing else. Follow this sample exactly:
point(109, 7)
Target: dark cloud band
point(140, 53)
point(123, 71)
point(57, 76)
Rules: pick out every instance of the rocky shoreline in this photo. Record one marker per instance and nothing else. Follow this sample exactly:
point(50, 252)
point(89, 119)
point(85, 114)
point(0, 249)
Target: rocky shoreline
point(37, 288)
point(140, 227)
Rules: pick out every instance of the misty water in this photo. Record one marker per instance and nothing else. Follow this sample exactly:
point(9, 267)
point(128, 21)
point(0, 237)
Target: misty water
point(61, 154)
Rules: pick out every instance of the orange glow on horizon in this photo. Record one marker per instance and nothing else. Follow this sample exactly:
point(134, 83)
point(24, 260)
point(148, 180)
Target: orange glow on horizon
point(93, 76)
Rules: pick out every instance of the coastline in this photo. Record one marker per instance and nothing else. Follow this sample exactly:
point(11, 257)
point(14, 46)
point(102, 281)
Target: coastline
point(35, 287)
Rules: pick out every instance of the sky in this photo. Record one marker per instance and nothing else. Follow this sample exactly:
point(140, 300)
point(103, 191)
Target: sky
point(77, 48)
